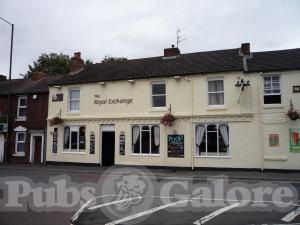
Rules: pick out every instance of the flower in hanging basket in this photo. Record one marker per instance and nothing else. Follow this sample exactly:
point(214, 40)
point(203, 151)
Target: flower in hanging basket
point(292, 113)
point(167, 119)
point(55, 121)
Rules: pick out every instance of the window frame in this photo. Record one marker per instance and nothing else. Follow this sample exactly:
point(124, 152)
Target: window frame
point(218, 150)
point(271, 89)
point(17, 141)
point(157, 95)
point(21, 107)
point(74, 128)
point(71, 100)
point(215, 92)
point(140, 140)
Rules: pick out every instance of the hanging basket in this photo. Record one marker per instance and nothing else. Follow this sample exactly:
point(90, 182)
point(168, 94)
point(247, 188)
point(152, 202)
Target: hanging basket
point(167, 119)
point(292, 113)
point(55, 121)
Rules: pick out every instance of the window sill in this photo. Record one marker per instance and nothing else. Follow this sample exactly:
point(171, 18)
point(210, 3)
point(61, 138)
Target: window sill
point(273, 106)
point(68, 152)
point(19, 154)
point(216, 107)
point(21, 119)
point(214, 156)
point(136, 154)
point(73, 113)
point(158, 109)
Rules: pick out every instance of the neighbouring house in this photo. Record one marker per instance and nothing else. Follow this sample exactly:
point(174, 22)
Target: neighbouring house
point(28, 118)
point(224, 108)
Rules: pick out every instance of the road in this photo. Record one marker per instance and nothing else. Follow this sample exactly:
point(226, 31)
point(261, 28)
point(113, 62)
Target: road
point(137, 196)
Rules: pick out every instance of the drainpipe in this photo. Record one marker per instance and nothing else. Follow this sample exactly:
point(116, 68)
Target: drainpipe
point(191, 121)
point(260, 125)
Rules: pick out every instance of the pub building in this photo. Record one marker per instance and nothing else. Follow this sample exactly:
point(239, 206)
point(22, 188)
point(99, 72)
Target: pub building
point(228, 108)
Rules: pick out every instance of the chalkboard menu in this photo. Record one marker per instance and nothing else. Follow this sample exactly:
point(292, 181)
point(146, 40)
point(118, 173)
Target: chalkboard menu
point(122, 144)
point(176, 145)
point(92, 143)
point(54, 141)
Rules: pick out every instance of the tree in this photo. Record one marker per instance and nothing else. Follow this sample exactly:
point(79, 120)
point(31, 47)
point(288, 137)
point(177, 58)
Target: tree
point(51, 64)
point(109, 59)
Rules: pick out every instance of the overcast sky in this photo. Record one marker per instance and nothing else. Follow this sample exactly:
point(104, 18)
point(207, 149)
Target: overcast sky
point(142, 28)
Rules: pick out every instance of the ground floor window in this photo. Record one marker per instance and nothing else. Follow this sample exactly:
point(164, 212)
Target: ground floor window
point(74, 138)
point(212, 140)
point(20, 142)
point(145, 139)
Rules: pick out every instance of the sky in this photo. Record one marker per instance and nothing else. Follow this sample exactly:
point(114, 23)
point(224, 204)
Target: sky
point(142, 28)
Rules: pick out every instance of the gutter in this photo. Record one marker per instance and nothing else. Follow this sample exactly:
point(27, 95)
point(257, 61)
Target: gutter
point(261, 150)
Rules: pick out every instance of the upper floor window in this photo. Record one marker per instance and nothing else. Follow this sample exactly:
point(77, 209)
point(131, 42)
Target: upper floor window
point(145, 139)
point(74, 100)
point(74, 138)
point(22, 107)
point(215, 92)
point(212, 140)
point(20, 142)
point(158, 94)
point(272, 92)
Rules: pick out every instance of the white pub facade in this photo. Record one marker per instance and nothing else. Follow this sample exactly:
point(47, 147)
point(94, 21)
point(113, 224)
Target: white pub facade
point(229, 110)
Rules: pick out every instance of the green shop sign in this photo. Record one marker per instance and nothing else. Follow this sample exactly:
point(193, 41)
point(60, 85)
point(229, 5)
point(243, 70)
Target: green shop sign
point(295, 140)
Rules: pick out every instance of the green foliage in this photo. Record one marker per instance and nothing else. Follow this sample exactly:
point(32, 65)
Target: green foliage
point(109, 59)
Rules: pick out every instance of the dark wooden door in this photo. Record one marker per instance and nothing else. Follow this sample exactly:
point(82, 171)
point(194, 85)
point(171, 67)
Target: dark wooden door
point(108, 148)
point(37, 149)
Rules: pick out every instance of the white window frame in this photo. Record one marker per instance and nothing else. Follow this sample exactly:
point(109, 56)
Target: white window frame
point(71, 100)
point(218, 151)
point(70, 150)
point(272, 89)
point(215, 92)
point(21, 107)
point(140, 138)
point(17, 153)
point(154, 95)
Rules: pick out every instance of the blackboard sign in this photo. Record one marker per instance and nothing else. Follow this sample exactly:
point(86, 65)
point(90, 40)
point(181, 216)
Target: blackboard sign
point(54, 141)
point(92, 143)
point(296, 89)
point(176, 145)
point(122, 144)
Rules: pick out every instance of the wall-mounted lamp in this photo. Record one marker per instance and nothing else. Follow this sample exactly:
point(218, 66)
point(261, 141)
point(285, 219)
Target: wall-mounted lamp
point(177, 77)
point(34, 96)
point(102, 83)
point(175, 132)
point(131, 81)
point(241, 83)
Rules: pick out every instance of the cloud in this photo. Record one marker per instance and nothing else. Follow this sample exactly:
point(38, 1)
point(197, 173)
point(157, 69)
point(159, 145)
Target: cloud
point(135, 28)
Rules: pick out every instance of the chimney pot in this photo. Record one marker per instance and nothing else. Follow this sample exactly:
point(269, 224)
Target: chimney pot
point(76, 63)
point(245, 48)
point(171, 52)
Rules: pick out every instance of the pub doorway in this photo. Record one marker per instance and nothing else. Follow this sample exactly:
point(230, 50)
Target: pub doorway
point(108, 145)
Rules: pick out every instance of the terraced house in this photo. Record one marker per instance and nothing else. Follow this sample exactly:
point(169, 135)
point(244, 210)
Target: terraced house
point(224, 108)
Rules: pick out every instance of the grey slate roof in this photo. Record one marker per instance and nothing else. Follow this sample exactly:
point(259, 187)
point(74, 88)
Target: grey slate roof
point(186, 64)
point(27, 86)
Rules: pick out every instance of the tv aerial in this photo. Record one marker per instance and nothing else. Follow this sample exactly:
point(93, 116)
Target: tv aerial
point(179, 38)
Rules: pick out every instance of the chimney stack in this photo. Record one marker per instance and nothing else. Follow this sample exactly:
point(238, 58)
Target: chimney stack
point(76, 63)
point(35, 76)
point(171, 52)
point(245, 49)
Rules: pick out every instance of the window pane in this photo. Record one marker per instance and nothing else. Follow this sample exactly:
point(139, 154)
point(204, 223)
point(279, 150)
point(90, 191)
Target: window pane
point(74, 106)
point(67, 138)
point(212, 146)
point(21, 136)
point(155, 139)
point(74, 140)
point(136, 147)
point(20, 147)
point(158, 89)
point(145, 128)
point(216, 98)
point(272, 99)
point(211, 128)
point(74, 94)
point(82, 137)
point(275, 78)
point(215, 85)
point(159, 101)
point(22, 112)
point(145, 142)
point(203, 145)
point(23, 102)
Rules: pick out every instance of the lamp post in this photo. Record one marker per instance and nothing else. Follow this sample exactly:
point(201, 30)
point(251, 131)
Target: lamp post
point(9, 86)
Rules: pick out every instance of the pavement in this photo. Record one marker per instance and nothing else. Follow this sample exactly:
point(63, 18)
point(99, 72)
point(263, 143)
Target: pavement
point(139, 195)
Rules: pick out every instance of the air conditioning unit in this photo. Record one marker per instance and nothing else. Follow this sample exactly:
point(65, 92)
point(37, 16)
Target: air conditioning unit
point(3, 127)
